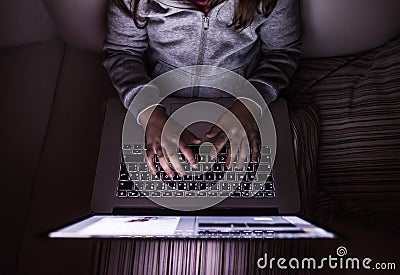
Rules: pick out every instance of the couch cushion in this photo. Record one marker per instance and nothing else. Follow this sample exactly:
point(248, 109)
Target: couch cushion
point(65, 176)
point(331, 27)
point(342, 27)
point(24, 22)
point(28, 81)
point(358, 101)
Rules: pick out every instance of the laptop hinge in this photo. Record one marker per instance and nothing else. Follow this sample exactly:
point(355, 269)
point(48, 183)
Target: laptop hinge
point(204, 212)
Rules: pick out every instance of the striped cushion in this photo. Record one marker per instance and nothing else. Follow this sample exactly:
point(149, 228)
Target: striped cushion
point(357, 99)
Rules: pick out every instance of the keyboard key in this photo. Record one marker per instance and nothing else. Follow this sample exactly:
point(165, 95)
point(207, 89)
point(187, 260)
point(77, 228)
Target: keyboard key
point(269, 186)
point(258, 185)
point(198, 177)
point(140, 185)
point(201, 158)
point(127, 146)
point(190, 194)
point(188, 177)
point(167, 194)
point(177, 177)
point(124, 177)
point(265, 159)
point(225, 193)
point(262, 176)
point(246, 186)
point(138, 146)
point(192, 186)
point(170, 185)
point(135, 176)
point(210, 177)
point(240, 176)
point(122, 194)
point(181, 186)
point(250, 177)
point(251, 167)
point(219, 176)
point(215, 187)
point(145, 176)
point(143, 167)
point(269, 194)
point(225, 186)
point(125, 185)
point(159, 186)
point(133, 167)
point(264, 167)
point(221, 158)
point(203, 185)
point(133, 194)
point(155, 194)
point(134, 158)
point(230, 176)
point(218, 167)
point(149, 186)
point(206, 167)
point(156, 177)
point(265, 149)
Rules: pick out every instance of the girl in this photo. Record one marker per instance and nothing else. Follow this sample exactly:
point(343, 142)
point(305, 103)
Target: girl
point(259, 39)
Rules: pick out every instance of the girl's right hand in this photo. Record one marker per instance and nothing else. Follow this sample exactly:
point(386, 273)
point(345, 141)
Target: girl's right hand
point(159, 137)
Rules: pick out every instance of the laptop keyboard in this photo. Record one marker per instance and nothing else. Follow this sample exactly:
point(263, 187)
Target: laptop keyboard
point(211, 178)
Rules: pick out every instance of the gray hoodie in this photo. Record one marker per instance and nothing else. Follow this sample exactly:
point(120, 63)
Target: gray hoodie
point(177, 35)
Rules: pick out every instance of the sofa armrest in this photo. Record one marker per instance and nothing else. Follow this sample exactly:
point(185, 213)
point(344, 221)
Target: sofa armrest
point(304, 123)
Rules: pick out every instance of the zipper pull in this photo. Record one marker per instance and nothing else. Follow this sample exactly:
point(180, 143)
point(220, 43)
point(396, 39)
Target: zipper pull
point(206, 22)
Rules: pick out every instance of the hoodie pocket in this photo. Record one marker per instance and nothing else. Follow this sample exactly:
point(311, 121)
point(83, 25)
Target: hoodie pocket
point(161, 67)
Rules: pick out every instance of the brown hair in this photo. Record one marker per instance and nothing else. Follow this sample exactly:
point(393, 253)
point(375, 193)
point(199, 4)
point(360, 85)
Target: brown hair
point(242, 18)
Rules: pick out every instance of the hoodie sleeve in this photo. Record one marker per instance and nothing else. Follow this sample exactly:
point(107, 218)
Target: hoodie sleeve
point(124, 49)
point(280, 37)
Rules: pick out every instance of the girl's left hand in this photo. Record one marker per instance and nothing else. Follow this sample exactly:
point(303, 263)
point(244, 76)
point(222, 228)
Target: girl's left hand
point(241, 138)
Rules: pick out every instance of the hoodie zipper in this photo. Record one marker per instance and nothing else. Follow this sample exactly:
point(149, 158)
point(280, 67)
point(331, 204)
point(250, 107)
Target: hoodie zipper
point(203, 38)
point(200, 59)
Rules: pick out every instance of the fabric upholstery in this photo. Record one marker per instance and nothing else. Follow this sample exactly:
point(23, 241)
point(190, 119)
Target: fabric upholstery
point(357, 99)
point(330, 27)
point(24, 22)
point(28, 81)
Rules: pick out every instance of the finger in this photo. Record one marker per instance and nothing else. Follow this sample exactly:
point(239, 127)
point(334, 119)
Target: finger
point(213, 132)
point(221, 140)
point(164, 163)
point(233, 149)
point(171, 154)
point(190, 138)
point(243, 152)
point(255, 149)
point(150, 161)
point(176, 164)
point(188, 153)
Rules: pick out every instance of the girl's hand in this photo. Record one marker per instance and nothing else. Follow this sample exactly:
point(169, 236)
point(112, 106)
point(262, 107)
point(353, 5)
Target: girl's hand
point(241, 138)
point(168, 138)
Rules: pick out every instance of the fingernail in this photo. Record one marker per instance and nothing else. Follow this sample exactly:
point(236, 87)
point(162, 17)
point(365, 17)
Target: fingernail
point(171, 176)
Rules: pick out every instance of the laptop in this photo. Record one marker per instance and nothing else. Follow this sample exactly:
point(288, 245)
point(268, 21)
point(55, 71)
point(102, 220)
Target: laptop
point(211, 200)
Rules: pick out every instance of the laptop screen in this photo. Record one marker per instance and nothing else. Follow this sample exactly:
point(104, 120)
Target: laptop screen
point(118, 226)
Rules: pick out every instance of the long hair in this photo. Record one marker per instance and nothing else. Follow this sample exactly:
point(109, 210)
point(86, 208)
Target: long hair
point(242, 18)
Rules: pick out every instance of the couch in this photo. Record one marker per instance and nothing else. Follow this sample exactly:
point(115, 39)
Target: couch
point(345, 117)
